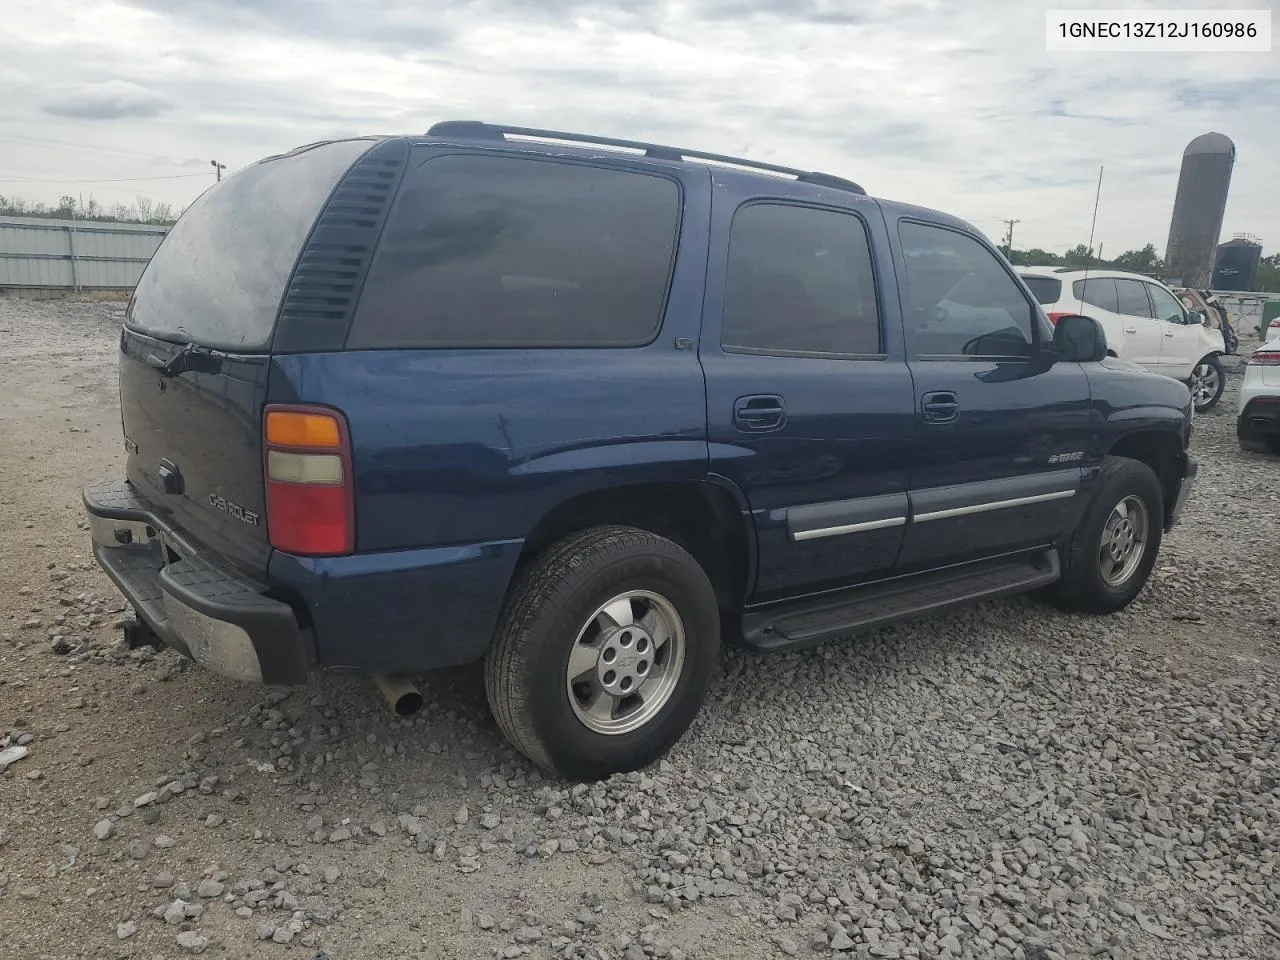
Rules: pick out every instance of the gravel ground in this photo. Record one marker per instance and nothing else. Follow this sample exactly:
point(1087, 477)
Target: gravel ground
point(1007, 781)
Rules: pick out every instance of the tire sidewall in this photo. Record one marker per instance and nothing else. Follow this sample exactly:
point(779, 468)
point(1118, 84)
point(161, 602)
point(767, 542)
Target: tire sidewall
point(578, 751)
point(1141, 482)
point(1214, 362)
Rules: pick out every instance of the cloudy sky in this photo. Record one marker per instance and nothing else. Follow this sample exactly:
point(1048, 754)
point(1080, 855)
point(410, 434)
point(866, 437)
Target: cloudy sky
point(948, 104)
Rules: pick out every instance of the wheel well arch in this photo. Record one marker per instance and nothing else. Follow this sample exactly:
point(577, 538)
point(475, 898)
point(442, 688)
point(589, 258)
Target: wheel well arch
point(1159, 450)
point(704, 518)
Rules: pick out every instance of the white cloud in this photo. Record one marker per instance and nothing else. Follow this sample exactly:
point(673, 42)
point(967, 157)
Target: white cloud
point(955, 106)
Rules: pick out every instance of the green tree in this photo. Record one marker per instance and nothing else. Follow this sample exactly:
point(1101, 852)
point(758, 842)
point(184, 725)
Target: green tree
point(1268, 278)
point(1035, 257)
point(1079, 256)
point(1145, 260)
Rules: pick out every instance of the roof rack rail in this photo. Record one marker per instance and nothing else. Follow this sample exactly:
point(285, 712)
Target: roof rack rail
point(476, 130)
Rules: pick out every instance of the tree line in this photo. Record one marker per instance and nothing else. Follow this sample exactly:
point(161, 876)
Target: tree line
point(1145, 261)
point(142, 210)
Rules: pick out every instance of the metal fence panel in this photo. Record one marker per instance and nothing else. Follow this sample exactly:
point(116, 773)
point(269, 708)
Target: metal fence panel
point(75, 254)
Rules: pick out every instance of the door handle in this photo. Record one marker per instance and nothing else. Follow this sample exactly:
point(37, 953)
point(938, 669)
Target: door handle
point(1130, 329)
point(1168, 333)
point(940, 406)
point(761, 412)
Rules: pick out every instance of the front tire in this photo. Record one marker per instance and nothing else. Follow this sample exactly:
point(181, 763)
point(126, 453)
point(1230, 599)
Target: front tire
point(603, 653)
point(1208, 380)
point(1107, 559)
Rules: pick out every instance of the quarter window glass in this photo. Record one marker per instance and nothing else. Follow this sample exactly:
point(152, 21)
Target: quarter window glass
point(483, 251)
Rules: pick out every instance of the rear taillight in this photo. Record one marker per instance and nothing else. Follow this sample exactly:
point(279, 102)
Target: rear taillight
point(1265, 358)
point(310, 488)
point(1055, 317)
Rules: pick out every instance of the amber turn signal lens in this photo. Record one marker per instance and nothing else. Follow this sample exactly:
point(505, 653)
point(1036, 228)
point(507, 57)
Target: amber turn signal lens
point(289, 429)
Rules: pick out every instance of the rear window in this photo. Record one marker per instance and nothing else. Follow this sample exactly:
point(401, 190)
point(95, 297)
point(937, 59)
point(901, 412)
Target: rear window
point(489, 251)
point(1046, 290)
point(218, 277)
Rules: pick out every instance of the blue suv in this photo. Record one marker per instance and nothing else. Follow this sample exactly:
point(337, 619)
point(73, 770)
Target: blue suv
point(581, 407)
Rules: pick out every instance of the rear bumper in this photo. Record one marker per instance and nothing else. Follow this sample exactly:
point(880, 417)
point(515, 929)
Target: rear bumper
point(1189, 469)
point(1259, 421)
point(194, 600)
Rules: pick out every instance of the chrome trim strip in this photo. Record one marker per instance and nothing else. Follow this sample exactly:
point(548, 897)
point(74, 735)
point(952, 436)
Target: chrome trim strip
point(993, 505)
point(849, 528)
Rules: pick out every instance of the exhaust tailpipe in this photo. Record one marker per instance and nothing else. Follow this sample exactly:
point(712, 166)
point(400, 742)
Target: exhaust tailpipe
point(403, 695)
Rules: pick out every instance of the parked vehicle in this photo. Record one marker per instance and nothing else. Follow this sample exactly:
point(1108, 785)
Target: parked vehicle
point(1216, 315)
point(1144, 320)
point(576, 407)
point(1258, 417)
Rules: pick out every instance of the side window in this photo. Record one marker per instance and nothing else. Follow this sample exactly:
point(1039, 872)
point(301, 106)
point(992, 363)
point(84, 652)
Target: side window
point(799, 280)
point(1166, 304)
point(961, 301)
point(1133, 298)
point(1098, 292)
point(493, 251)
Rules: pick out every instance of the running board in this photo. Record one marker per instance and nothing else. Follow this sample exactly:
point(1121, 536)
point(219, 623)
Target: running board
point(802, 623)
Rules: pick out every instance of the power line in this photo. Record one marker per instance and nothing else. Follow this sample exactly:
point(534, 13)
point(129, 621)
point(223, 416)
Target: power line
point(25, 140)
point(171, 176)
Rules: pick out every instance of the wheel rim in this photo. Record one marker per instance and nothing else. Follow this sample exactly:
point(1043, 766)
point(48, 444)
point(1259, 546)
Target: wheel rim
point(1124, 541)
point(1204, 383)
point(625, 662)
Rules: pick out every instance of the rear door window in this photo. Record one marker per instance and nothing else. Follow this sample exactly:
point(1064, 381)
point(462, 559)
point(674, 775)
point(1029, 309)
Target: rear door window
point(220, 273)
point(1046, 290)
point(502, 251)
point(1133, 298)
point(799, 281)
point(1097, 292)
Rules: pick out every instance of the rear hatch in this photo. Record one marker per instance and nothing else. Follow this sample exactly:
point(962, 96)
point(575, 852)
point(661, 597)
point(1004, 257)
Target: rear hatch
point(195, 349)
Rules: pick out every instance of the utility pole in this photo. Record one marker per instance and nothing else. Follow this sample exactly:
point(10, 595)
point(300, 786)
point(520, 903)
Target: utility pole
point(1009, 236)
point(218, 168)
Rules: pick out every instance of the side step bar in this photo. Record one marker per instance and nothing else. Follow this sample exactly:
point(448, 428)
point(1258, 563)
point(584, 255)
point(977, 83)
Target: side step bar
point(803, 623)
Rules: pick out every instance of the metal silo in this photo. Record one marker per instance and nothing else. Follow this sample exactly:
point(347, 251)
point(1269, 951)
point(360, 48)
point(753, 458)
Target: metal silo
point(1237, 264)
point(1198, 210)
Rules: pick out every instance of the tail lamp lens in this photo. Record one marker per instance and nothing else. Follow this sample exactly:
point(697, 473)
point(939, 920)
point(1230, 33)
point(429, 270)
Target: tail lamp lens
point(310, 494)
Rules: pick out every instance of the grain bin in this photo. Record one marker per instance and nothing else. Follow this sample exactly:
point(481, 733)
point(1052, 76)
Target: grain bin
point(1198, 210)
point(1237, 264)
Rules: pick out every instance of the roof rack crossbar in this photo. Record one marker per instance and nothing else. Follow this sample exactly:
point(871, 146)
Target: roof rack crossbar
point(476, 130)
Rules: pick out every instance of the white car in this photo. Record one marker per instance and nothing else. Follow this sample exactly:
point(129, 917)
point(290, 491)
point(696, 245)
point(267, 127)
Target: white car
point(1258, 419)
point(1144, 321)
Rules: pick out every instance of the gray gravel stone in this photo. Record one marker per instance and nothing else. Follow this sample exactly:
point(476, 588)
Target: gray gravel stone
point(193, 942)
point(104, 829)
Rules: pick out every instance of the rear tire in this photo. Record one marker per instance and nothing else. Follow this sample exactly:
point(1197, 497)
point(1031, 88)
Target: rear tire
point(603, 653)
point(1208, 380)
point(1107, 559)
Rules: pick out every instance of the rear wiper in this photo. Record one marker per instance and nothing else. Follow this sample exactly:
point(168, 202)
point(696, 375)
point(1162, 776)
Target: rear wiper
point(190, 357)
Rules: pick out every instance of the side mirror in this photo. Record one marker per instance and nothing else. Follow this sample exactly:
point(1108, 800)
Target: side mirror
point(1196, 316)
point(1079, 339)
